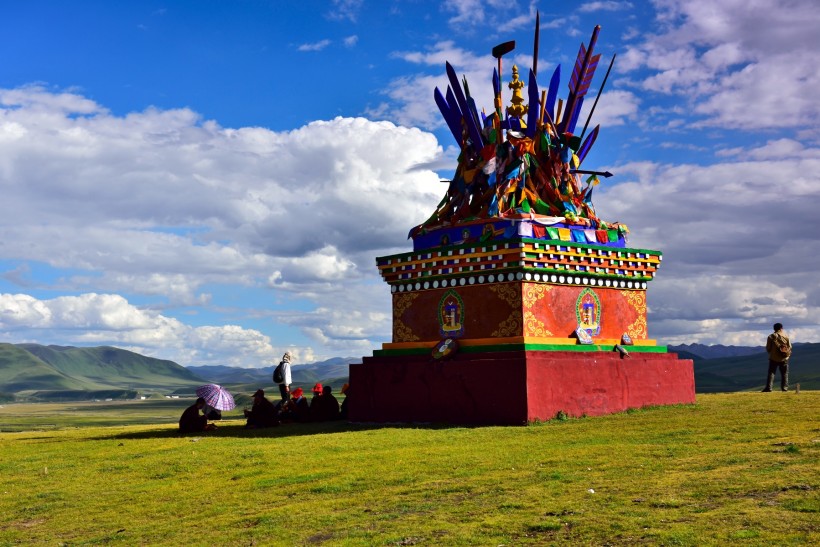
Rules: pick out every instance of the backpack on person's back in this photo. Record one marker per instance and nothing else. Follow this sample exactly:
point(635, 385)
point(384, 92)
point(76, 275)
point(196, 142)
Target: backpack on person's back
point(279, 373)
point(783, 346)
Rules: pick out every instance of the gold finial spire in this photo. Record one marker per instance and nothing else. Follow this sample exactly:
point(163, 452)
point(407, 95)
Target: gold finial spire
point(516, 108)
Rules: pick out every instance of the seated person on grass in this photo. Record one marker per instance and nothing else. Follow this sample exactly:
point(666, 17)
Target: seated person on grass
point(262, 413)
point(325, 407)
point(299, 407)
point(192, 421)
point(317, 394)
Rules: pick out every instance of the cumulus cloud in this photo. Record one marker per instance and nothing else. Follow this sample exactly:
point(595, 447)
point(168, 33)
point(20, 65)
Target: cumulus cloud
point(616, 107)
point(92, 319)
point(345, 10)
point(739, 253)
point(168, 209)
point(738, 64)
point(472, 13)
point(314, 46)
point(607, 5)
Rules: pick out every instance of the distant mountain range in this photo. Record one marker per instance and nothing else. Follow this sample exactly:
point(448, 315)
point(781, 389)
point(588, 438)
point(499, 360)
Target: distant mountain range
point(714, 352)
point(36, 372)
point(333, 372)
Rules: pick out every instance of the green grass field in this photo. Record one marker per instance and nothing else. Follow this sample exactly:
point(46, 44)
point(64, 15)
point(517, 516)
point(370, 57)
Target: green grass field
point(733, 469)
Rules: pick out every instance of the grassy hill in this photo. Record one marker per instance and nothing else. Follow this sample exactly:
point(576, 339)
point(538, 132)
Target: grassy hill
point(47, 372)
point(21, 370)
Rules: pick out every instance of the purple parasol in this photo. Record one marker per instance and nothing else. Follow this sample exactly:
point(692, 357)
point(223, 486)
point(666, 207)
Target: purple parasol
point(216, 397)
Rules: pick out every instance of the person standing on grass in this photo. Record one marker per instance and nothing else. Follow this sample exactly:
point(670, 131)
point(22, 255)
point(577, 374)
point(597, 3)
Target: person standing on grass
point(779, 348)
point(284, 385)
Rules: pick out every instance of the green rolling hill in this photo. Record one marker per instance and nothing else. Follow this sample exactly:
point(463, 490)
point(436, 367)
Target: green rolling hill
point(21, 371)
point(65, 372)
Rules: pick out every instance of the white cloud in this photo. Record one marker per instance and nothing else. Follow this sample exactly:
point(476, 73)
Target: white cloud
point(351, 41)
point(739, 64)
point(110, 319)
point(467, 12)
point(615, 107)
point(739, 249)
point(607, 5)
point(314, 46)
point(167, 209)
point(772, 150)
point(345, 10)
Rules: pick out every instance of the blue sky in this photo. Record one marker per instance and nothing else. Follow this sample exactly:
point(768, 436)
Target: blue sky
point(210, 182)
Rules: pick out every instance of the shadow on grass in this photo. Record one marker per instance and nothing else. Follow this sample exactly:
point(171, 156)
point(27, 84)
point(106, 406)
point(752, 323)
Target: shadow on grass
point(238, 430)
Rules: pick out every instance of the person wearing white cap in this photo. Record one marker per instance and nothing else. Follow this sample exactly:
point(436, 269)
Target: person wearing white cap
point(285, 381)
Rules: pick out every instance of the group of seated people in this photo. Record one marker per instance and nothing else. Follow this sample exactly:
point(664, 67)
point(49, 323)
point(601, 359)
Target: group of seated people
point(322, 407)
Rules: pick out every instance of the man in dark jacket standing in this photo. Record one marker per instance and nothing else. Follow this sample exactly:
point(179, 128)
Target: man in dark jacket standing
point(779, 348)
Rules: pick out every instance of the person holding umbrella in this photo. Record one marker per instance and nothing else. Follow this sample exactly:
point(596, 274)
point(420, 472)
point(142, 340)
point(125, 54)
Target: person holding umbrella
point(217, 399)
point(192, 421)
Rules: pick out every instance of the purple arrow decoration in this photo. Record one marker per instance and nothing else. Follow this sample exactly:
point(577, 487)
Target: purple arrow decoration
point(533, 109)
point(449, 116)
point(552, 94)
point(587, 145)
point(472, 130)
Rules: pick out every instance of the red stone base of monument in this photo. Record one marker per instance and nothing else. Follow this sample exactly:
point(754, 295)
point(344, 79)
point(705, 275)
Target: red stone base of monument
point(514, 387)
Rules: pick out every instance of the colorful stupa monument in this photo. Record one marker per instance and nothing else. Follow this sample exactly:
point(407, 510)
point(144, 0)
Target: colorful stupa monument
point(517, 302)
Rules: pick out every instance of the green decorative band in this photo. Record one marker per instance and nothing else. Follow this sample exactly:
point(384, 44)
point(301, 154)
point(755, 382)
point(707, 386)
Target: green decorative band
point(551, 348)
